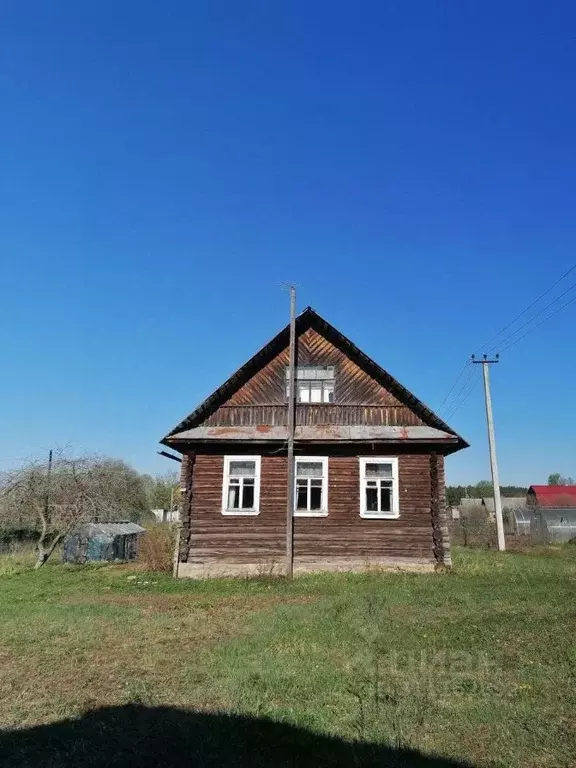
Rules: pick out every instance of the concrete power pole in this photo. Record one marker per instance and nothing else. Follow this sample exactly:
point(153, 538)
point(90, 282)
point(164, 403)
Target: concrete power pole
point(492, 445)
point(291, 428)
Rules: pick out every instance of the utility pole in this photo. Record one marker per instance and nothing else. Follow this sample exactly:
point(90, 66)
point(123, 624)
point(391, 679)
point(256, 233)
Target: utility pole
point(492, 445)
point(290, 428)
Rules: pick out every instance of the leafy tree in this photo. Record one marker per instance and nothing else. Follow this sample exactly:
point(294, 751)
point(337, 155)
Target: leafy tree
point(162, 491)
point(74, 490)
point(557, 479)
point(483, 488)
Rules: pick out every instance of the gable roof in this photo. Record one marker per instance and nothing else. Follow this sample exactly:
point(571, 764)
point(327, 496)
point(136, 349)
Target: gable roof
point(553, 495)
point(309, 318)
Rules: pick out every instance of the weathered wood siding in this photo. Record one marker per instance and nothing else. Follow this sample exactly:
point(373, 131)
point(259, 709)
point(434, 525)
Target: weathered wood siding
point(358, 398)
point(308, 415)
point(214, 537)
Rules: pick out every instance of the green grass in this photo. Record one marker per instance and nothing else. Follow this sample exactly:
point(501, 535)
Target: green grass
point(479, 664)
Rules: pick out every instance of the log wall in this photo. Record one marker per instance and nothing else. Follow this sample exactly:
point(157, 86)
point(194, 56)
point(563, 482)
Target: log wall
point(213, 537)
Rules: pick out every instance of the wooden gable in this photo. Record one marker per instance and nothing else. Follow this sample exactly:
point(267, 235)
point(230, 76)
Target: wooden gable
point(364, 393)
point(353, 385)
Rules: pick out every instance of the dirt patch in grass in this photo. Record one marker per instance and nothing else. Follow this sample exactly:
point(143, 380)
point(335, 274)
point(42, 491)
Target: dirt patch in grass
point(168, 603)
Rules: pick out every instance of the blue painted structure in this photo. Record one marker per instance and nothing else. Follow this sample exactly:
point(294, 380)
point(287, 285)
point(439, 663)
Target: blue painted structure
point(102, 541)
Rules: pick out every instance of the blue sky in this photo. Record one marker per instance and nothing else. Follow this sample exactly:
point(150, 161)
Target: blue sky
point(410, 165)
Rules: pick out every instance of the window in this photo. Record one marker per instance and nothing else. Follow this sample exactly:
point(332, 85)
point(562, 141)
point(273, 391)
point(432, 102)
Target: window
point(314, 383)
point(379, 488)
point(241, 487)
point(311, 492)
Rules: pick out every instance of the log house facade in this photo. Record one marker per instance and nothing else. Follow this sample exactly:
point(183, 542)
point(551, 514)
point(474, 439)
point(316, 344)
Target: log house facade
point(369, 466)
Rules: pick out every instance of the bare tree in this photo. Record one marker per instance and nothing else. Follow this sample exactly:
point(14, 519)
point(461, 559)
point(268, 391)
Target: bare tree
point(72, 491)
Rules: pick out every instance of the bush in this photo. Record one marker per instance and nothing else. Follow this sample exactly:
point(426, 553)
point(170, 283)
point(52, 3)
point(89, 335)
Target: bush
point(477, 532)
point(16, 539)
point(156, 548)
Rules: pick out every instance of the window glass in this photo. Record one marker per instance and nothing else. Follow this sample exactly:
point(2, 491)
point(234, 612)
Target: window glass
point(385, 498)
point(303, 393)
point(378, 470)
point(309, 469)
point(316, 392)
point(233, 495)
point(238, 468)
point(315, 494)
point(372, 499)
point(301, 494)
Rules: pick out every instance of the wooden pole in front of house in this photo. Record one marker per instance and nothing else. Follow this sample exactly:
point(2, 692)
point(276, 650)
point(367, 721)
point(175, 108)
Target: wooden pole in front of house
point(290, 428)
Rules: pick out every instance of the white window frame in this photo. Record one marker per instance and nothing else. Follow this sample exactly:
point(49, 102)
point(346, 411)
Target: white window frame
point(226, 477)
point(312, 512)
point(395, 511)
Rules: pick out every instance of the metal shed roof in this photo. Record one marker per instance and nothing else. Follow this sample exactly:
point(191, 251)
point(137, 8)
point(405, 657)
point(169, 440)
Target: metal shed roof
point(111, 529)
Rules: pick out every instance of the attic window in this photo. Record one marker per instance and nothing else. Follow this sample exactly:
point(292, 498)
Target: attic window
point(314, 383)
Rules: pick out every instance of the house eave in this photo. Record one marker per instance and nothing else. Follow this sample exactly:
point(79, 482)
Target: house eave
point(318, 434)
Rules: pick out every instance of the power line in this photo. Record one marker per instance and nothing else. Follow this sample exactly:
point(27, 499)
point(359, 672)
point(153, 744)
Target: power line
point(509, 325)
point(457, 401)
point(460, 391)
point(457, 405)
point(466, 396)
point(453, 387)
point(529, 307)
point(510, 335)
point(559, 309)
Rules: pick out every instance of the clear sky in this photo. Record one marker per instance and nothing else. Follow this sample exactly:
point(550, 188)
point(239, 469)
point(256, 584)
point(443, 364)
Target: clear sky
point(165, 166)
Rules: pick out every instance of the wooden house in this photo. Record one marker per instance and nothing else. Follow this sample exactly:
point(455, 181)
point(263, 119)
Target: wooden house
point(369, 466)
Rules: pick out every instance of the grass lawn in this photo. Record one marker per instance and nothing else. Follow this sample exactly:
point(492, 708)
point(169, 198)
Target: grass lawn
point(476, 665)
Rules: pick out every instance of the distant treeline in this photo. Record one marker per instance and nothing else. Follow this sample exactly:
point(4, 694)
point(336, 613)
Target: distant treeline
point(454, 493)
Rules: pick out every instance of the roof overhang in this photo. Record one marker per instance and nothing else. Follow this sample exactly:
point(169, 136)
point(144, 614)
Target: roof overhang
point(316, 434)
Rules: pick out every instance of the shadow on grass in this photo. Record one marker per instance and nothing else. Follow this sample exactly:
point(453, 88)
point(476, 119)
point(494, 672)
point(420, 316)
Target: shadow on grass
point(139, 736)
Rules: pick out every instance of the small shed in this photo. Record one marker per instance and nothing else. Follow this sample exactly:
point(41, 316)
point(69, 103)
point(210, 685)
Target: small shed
point(102, 541)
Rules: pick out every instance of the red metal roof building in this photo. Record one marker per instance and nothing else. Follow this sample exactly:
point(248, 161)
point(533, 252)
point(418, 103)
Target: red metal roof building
point(552, 495)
